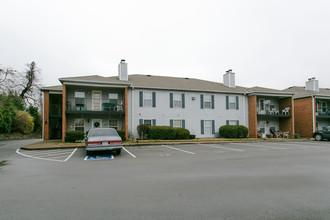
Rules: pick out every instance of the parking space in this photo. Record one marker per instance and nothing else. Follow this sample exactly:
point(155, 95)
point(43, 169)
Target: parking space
point(182, 150)
point(56, 155)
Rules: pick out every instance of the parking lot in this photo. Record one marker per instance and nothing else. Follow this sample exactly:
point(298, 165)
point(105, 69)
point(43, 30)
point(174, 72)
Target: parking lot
point(262, 180)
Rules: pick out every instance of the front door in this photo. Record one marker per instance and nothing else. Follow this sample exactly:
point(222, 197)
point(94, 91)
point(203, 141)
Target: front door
point(96, 100)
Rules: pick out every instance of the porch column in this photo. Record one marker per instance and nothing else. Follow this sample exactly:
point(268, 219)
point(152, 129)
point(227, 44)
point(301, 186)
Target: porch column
point(64, 124)
point(126, 114)
point(46, 115)
point(253, 120)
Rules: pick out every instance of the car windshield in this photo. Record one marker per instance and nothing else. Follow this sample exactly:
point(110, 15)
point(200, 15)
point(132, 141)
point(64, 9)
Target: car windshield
point(102, 132)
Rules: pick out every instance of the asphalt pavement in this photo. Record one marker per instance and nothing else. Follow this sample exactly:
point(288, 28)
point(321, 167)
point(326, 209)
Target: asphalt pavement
point(283, 180)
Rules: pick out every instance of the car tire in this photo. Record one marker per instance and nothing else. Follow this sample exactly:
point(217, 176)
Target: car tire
point(318, 137)
point(118, 151)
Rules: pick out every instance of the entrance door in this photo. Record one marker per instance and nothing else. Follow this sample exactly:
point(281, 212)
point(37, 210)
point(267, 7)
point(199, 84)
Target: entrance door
point(97, 123)
point(96, 100)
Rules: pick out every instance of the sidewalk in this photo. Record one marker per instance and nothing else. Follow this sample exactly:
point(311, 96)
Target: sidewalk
point(57, 144)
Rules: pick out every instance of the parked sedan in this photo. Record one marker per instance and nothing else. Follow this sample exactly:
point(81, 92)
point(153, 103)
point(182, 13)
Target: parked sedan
point(102, 139)
point(322, 134)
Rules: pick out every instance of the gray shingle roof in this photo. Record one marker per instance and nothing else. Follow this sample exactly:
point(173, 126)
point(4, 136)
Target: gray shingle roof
point(299, 92)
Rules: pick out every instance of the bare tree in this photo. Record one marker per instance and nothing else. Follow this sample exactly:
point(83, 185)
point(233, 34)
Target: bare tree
point(7, 80)
point(30, 85)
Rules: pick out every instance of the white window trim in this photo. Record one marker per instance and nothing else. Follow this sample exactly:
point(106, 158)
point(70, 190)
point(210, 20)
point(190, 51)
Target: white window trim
point(74, 123)
point(206, 131)
point(207, 99)
point(146, 99)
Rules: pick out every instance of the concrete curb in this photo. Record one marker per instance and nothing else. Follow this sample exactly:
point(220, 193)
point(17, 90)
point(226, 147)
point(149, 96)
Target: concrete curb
point(47, 145)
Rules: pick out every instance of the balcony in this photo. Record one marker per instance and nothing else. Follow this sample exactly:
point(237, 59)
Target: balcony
point(323, 114)
point(274, 112)
point(95, 106)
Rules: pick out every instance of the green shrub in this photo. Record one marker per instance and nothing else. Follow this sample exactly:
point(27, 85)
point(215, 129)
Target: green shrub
point(233, 131)
point(162, 132)
point(122, 134)
point(182, 133)
point(23, 122)
point(34, 112)
point(143, 129)
point(296, 136)
point(73, 136)
point(192, 136)
point(269, 135)
point(7, 117)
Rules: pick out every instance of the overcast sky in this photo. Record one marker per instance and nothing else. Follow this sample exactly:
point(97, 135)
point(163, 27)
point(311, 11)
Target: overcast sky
point(276, 44)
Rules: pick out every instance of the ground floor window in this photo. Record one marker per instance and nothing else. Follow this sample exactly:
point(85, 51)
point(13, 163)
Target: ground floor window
point(79, 124)
point(113, 124)
point(208, 126)
point(177, 123)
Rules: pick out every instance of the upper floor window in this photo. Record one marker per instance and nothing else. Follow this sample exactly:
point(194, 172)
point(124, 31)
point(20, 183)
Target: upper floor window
point(147, 99)
point(79, 100)
point(177, 100)
point(207, 101)
point(232, 102)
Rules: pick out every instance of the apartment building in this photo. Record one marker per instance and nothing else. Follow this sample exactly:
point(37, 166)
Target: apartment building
point(125, 101)
point(311, 107)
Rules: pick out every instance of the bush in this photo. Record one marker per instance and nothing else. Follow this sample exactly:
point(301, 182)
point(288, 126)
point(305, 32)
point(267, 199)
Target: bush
point(143, 129)
point(122, 134)
point(296, 136)
point(233, 131)
point(23, 122)
point(162, 132)
point(7, 116)
point(182, 133)
point(73, 136)
point(269, 135)
point(34, 112)
point(192, 136)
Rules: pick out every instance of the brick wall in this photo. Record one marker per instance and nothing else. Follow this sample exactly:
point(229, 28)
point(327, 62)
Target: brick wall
point(64, 122)
point(253, 123)
point(303, 111)
point(46, 115)
point(287, 124)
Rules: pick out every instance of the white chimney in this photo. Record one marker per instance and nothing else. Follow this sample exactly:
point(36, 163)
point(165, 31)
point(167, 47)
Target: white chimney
point(122, 71)
point(312, 84)
point(229, 79)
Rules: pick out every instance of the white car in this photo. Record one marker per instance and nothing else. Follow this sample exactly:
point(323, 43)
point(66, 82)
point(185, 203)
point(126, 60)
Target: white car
point(103, 139)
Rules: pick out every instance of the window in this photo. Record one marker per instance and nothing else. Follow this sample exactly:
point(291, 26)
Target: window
point(147, 99)
point(207, 127)
point(79, 124)
point(148, 122)
point(113, 124)
point(207, 101)
point(177, 123)
point(177, 102)
point(232, 122)
point(232, 102)
point(262, 104)
point(80, 100)
point(113, 98)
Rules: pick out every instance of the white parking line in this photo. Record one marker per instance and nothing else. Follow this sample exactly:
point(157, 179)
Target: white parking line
point(188, 152)
point(129, 153)
point(267, 147)
point(48, 159)
point(226, 148)
point(303, 146)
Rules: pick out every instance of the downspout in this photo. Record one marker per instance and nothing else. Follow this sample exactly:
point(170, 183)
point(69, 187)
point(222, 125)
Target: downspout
point(132, 109)
point(313, 105)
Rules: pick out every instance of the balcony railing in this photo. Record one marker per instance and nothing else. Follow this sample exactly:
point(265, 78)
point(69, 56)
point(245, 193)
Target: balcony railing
point(285, 112)
point(323, 114)
point(84, 105)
